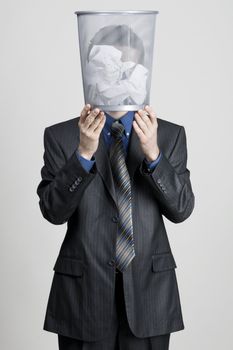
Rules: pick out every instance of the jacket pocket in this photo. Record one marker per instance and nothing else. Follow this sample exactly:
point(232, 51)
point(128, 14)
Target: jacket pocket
point(69, 266)
point(163, 261)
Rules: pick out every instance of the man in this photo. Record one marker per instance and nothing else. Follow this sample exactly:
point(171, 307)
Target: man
point(92, 303)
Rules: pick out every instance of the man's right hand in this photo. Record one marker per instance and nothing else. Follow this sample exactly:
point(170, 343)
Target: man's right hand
point(91, 123)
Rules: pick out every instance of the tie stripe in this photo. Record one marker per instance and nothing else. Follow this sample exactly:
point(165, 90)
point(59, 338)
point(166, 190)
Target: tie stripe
point(125, 251)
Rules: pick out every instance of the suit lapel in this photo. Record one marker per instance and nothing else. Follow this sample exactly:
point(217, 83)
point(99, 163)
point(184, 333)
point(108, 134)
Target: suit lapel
point(133, 159)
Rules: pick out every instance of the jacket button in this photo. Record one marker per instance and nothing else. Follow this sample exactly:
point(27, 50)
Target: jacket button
point(115, 219)
point(79, 178)
point(71, 189)
point(158, 181)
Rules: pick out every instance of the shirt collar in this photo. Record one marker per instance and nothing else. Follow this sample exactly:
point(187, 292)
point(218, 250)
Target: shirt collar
point(126, 120)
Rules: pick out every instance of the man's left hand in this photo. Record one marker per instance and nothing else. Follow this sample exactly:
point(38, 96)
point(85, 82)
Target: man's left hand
point(145, 125)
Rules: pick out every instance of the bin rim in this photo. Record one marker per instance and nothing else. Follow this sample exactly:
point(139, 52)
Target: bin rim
point(152, 12)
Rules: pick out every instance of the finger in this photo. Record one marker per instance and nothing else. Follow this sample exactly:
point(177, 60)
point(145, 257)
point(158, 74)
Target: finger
point(138, 131)
point(140, 118)
point(85, 111)
point(152, 114)
point(145, 117)
point(92, 115)
point(96, 121)
point(101, 124)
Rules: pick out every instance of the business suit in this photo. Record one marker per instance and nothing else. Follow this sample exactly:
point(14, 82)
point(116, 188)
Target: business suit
point(81, 299)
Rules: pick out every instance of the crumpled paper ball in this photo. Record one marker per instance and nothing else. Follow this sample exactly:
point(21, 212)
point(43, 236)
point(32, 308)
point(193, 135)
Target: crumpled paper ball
point(111, 81)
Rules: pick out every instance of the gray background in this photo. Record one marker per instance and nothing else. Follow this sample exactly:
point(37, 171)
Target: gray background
point(191, 85)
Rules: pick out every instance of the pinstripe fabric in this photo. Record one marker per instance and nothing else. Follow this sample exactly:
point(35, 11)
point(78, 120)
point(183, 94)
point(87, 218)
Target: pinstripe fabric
point(125, 251)
point(120, 335)
point(81, 299)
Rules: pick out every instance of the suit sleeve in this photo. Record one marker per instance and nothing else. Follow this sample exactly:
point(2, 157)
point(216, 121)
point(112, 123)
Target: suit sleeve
point(63, 181)
point(170, 182)
point(86, 163)
point(149, 166)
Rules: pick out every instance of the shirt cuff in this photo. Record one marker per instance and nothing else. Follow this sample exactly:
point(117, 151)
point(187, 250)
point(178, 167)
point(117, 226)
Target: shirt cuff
point(86, 163)
point(151, 165)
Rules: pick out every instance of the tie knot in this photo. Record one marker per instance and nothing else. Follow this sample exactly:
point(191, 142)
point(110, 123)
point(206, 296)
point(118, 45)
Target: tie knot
point(117, 129)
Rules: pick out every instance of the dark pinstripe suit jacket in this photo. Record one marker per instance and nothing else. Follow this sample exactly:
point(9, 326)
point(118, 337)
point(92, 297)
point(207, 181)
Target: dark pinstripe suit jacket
point(81, 299)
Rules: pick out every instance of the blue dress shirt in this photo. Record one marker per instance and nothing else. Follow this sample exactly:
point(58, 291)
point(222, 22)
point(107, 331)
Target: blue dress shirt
point(127, 121)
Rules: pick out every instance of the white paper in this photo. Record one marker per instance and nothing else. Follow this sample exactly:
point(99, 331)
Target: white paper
point(110, 80)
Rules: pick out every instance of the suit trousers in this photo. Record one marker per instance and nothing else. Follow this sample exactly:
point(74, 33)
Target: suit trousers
point(119, 337)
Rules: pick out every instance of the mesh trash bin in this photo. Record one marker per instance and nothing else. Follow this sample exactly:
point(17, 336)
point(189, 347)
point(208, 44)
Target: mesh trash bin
point(116, 52)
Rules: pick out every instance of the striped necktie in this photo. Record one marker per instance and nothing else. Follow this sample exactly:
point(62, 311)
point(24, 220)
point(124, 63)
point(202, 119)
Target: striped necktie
point(124, 244)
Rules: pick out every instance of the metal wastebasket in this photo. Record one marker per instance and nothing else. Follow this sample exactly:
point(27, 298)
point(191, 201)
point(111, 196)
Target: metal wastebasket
point(116, 52)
